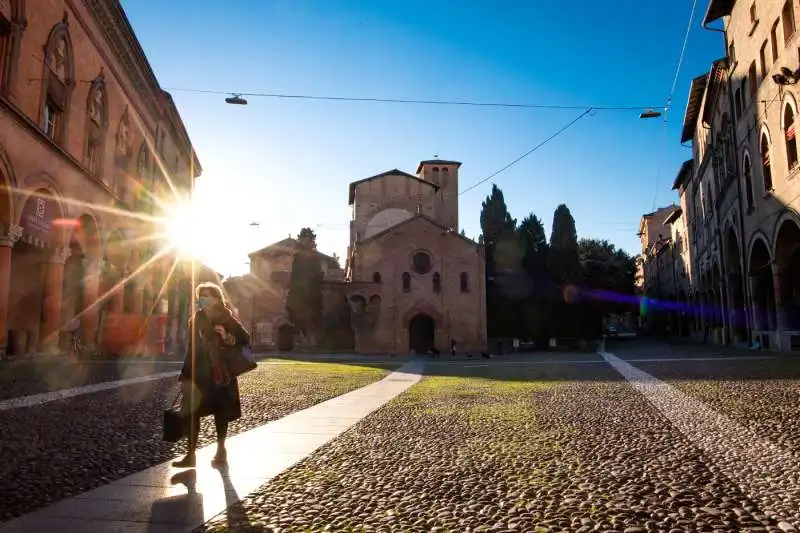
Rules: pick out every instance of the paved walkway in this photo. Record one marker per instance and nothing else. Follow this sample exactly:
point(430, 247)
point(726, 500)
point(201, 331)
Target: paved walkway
point(163, 499)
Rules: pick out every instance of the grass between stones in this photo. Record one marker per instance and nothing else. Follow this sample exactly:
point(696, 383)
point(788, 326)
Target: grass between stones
point(69, 446)
point(763, 395)
point(517, 449)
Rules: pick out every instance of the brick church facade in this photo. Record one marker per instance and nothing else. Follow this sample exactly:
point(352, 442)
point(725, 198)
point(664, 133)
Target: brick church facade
point(413, 282)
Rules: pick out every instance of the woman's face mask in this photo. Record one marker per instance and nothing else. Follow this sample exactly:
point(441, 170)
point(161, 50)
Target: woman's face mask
point(204, 302)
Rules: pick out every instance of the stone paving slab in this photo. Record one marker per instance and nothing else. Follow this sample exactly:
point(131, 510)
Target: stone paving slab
point(169, 500)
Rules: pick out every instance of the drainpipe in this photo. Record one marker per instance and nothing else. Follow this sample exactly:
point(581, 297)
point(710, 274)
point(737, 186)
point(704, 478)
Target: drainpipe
point(742, 245)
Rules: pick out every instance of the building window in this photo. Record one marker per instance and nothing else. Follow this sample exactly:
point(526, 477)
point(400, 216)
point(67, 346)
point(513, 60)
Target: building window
point(766, 166)
point(142, 165)
point(732, 53)
point(744, 94)
point(406, 282)
point(93, 155)
point(421, 263)
point(5, 52)
point(787, 16)
point(789, 134)
point(376, 277)
point(445, 176)
point(737, 102)
point(748, 182)
point(52, 119)
point(763, 58)
point(95, 126)
point(753, 13)
point(437, 283)
point(436, 175)
point(753, 78)
point(773, 37)
point(57, 83)
point(464, 280)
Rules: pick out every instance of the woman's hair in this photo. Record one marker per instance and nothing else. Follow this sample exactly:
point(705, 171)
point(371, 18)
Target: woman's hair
point(212, 288)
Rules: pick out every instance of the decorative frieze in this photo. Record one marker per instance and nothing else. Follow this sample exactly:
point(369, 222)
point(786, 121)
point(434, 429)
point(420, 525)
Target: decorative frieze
point(10, 234)
point(60, 254)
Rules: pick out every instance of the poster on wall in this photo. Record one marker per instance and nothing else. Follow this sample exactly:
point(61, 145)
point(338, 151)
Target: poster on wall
point(37, 218)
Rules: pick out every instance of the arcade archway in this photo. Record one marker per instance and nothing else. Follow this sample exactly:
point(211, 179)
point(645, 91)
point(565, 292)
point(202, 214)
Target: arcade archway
point(286, 338)
point(736, 310)
point(422, 333)
point(36, 275)
point(763, 291)
point(787, 258)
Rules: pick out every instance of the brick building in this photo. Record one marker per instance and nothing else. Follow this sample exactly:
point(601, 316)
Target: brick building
point(739, 193)
point(412, 280)
point(259, 297)
point(88, 140)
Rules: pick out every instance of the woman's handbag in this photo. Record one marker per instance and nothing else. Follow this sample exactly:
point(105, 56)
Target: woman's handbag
point(239, 361)
point(175, 422)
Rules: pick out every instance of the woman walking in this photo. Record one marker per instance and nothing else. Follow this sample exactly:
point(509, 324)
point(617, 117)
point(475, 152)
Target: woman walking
point(208, 387)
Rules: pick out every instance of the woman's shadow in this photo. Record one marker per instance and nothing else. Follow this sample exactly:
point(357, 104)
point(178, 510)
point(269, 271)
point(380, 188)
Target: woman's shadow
point(183, 509)
point(235, 512)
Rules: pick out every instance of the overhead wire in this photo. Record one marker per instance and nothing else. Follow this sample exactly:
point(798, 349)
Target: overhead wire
point(529, 152)
point(371, 99)
point(668, 104)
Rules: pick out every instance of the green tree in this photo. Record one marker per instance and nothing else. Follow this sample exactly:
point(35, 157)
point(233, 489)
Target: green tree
point(607, 278)
point(304, 301)
point(499, 237)
point(533, 311)
point(563, 264)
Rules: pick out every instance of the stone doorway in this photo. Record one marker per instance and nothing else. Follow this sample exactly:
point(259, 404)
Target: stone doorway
point(421, 333)
point(286, 338)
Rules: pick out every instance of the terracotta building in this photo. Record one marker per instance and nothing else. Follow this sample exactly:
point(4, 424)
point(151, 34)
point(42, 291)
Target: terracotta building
point(88, 140)
point(739, 193)
point(413, 282)
point(259, 297)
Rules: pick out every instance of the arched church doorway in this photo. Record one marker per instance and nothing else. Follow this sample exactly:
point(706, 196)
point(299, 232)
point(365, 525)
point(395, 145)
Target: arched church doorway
point(421, 333)
point(286, 338)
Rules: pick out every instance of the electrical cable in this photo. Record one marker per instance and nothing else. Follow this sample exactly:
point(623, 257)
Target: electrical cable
point(668, 103)
point(410, 101)
point(529, 152)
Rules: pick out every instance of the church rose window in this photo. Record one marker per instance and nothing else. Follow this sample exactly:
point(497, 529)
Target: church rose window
point(421, 263)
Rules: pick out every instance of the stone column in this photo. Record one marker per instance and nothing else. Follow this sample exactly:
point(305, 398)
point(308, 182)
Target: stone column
point(779, 312)
point(137, 305)
point(118, 299)
point(53, 292)
point(91, 311)
point(7, 240)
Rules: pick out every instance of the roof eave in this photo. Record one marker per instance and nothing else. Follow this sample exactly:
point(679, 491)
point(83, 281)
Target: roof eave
point(716, 10)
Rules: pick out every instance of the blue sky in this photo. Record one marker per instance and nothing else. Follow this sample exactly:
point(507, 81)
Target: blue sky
point(287, 163)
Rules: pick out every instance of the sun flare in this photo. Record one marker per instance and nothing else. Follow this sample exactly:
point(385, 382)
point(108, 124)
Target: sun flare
point(183, 230)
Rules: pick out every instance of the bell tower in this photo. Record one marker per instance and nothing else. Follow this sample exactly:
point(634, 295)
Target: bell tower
point(444, 174)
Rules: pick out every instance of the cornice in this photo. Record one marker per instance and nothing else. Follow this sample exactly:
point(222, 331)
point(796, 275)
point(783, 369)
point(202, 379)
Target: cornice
point(119, 35)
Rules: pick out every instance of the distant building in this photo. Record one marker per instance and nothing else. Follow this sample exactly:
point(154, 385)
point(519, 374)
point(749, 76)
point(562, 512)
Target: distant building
point(259, 297)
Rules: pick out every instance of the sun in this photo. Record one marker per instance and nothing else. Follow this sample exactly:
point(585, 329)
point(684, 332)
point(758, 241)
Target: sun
point(183, 230)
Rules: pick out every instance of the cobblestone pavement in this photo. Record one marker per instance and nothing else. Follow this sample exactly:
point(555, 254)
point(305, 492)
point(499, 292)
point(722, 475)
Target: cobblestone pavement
point(69, 446)
point(506, 448)
point(26, 377)
point(761, 394)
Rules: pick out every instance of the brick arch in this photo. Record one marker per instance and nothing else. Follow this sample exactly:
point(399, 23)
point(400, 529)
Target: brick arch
point(44, 186)
point(425, 308)
point(57, 33)
point(786, 214)
point(757, 236)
